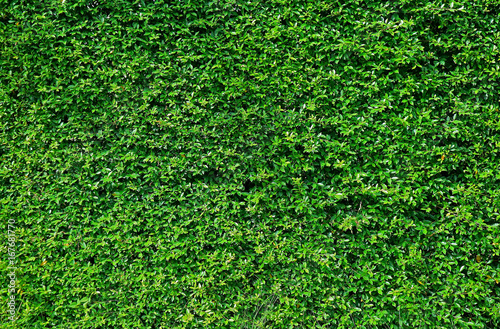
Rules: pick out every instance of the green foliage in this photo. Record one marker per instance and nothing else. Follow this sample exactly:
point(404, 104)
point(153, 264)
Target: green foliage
point(251, 164)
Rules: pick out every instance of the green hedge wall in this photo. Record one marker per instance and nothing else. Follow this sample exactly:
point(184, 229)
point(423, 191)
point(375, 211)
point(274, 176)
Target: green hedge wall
point(251, 164)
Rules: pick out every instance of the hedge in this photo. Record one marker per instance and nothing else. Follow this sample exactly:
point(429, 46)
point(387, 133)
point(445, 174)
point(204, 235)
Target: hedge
point(251, 164)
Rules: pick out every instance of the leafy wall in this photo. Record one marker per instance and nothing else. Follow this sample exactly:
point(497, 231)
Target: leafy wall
point(251, 164)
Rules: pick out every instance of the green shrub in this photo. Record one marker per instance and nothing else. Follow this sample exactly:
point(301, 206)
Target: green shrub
point(251, 164)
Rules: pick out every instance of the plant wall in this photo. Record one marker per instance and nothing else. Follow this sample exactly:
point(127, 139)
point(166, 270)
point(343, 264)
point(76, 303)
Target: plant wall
point(251, 164)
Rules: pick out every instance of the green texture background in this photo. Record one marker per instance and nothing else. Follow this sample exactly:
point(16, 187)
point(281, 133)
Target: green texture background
point(251, 164)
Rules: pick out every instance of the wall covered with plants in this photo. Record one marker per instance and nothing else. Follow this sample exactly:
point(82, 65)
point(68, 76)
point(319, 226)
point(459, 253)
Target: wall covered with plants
point(251, 164)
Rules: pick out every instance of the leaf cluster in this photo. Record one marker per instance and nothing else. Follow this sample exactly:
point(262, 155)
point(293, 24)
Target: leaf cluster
point(252, 164)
